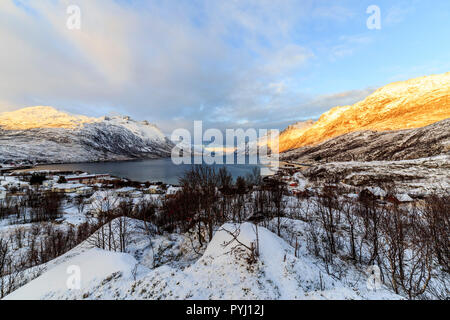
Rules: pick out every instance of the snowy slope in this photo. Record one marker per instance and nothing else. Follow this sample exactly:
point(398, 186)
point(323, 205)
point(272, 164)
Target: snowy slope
point(414, 103)
point(44, 134)
point(419, 177)
point(41, 117)
point(222, 272)
point(95, 265)
point(432, 140)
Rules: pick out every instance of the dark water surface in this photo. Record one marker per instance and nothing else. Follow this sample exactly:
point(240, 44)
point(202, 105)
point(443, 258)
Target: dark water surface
point(146, 170)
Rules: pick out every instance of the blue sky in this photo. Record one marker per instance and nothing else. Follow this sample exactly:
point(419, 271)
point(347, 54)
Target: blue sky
point(249, 63)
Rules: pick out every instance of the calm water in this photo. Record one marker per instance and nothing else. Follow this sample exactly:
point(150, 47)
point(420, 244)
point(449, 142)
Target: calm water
point(145, 170)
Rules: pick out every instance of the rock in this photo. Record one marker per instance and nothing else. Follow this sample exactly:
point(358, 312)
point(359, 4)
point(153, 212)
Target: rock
point(419, 177)
point(46, 135)
point(401, 105)
point(423, 142)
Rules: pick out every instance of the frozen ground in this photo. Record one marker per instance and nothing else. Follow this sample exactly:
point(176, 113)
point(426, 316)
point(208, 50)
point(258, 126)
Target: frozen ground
point(419, 177)
point(167, 267)
point(175, 266)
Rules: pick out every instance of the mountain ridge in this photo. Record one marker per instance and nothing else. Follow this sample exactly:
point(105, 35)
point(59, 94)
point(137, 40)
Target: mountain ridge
point(428, 141)
point(400, 105)
point(46, 135)
point(32, 118)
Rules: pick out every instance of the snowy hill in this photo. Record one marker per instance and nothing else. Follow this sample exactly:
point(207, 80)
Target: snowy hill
point(222, 271)
point(419, 177)
point(44, 134)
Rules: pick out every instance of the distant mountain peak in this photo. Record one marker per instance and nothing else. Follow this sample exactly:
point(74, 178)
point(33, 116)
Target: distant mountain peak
point(41, 117)
point(44, 134)
point(400, 105)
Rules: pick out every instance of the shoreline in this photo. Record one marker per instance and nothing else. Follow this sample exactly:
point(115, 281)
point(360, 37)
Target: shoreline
point(140, 170)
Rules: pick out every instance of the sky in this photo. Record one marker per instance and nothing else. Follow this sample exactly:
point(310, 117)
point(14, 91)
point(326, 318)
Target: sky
point(230, 63)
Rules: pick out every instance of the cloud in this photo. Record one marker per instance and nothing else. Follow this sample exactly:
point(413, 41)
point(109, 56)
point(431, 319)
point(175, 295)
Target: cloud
point(348, 45)
point(399, 12)
point(171, 62)
point(286, 109)
point(334, 12)
point(155, 59)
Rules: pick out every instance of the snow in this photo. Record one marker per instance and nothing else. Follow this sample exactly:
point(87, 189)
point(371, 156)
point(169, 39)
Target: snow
point(85, 188)
point(63, 186)
point(101, 194)
point(72, 217)
point(136, 194)
point(60, 137)
point(290, 277)
point(103, 201)
point(418, 177)
point(125, 190)
point(377, 191)
point(301, 180)
point(94, 265)
point(221, 272)
point(172, 190)
point(403, 197)
point(142, 129)
point(32, 117)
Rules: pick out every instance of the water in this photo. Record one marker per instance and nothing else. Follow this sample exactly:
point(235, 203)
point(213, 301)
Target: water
point(146, 170)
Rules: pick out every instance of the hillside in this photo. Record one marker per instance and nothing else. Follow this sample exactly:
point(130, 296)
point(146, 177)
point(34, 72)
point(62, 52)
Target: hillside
point(432, 140)
point(407, 104)
point(220, 272)
point(46, 135)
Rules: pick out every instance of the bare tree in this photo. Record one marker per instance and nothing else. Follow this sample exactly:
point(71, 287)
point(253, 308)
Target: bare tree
point(277, 194)
point(326, 206)
point(437, 226)
point(80, 204)
point(252, 250)
point(352, 222)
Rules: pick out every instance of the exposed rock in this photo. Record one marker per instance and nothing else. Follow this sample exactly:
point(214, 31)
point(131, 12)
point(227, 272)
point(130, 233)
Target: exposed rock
point(401, 105)
point(423, 142)
point(45, 135)
point(418, 177)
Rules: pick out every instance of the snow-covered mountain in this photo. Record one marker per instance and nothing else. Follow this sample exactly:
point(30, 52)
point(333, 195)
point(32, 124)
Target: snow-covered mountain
point(410, 104)
point(429, 141)
point(46, 135)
